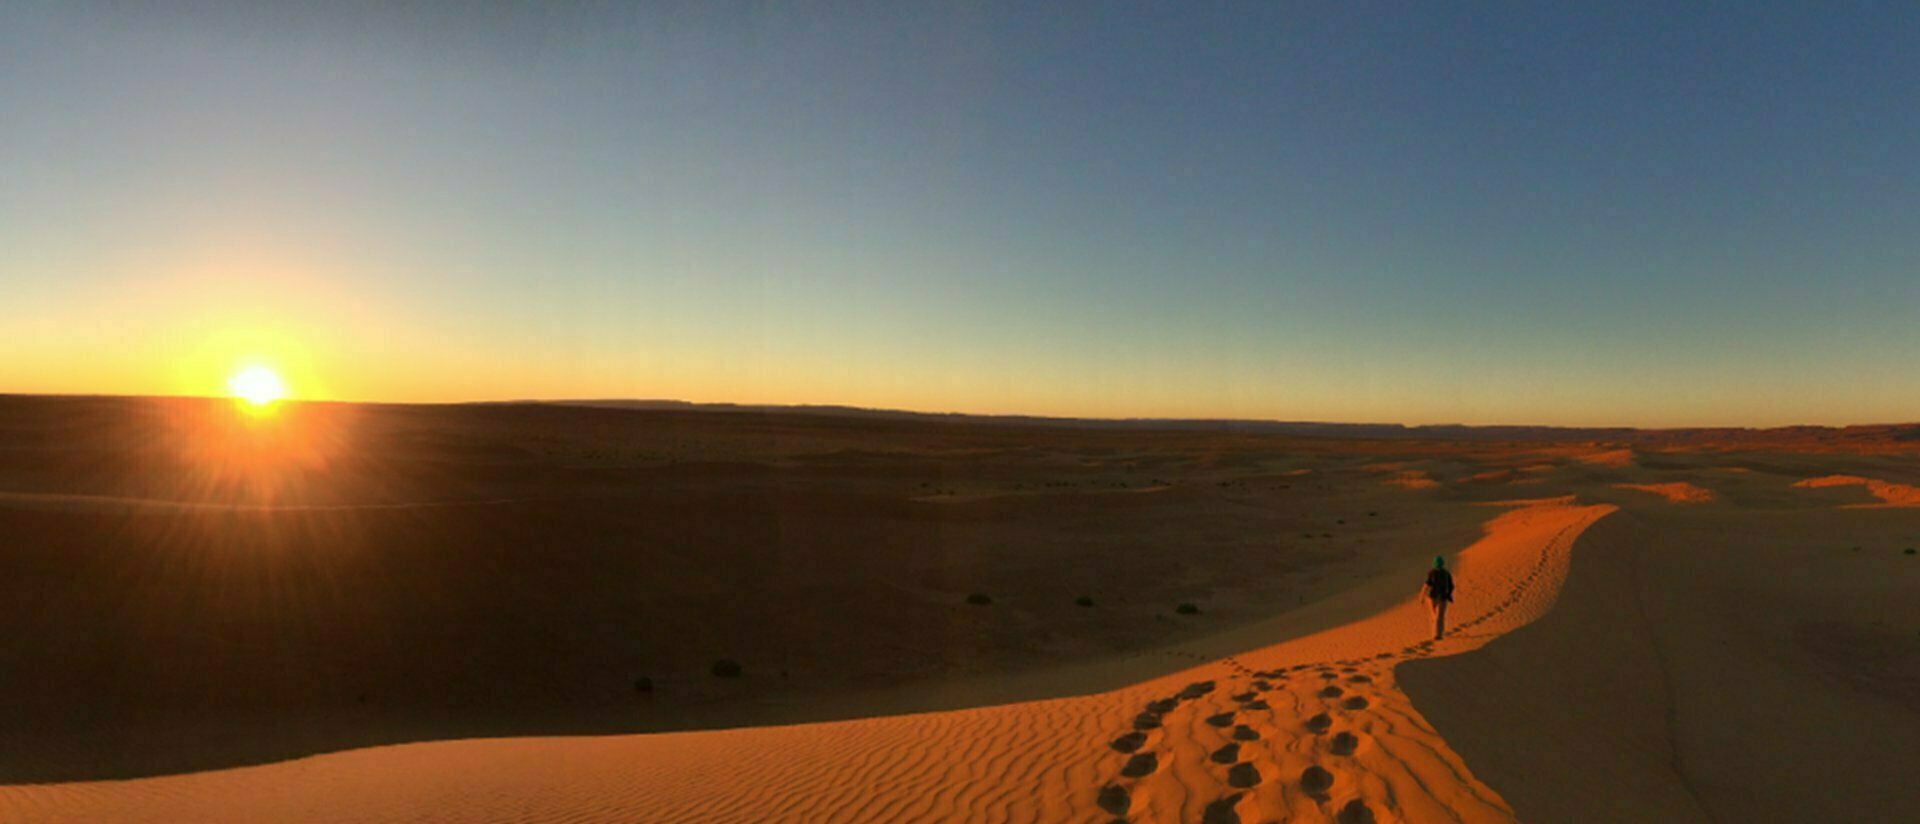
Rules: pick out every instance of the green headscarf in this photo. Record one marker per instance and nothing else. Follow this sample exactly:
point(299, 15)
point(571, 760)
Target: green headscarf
point(1439, 562)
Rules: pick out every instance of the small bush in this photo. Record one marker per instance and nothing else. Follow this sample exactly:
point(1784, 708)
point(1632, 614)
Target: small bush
point(1187, 609)
point(1084, 601)
point(726, 668)
point(979, 599)
point(644, 684)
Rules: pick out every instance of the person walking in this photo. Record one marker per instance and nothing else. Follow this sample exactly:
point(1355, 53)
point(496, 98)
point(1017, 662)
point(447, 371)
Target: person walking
point(1438, 593)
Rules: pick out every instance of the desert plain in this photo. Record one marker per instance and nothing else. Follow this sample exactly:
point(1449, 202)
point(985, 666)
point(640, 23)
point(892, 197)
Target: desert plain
point(570, 613)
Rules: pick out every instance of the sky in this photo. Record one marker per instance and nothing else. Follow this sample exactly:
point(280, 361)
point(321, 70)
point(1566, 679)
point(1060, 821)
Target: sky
point(1624, 214)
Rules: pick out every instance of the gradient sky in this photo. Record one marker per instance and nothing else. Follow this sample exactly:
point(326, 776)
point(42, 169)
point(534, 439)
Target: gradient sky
point(1418, 212)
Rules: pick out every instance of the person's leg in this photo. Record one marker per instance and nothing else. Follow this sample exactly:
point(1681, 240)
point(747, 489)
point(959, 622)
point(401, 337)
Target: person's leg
point(1439, 619)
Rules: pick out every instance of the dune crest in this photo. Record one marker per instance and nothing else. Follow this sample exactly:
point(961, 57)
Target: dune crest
point(1611, 457)
point(1312, 728)
point(1676, 492)
point(1891, 493)
point(1413, 479)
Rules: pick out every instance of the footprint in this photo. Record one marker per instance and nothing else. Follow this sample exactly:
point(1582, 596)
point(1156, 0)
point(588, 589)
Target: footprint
point(1163, 706)
point(1355, 812)
point(1330, 676)
point(1221, 719)
point(1344, 744)
point(1114, 799)
point(1227, 754)
point(1245, 733)
point(1243, 776)
point(1331, 692)
point(1354, 703)
point(1320, 723)
point(1316, 781)
point(1383, 656)
point(1262, 686)
point(1221, 811)
point(1146, 721)
point(1246, 696)
point(1143, 764)
point(1255, 705)
point(1129, 742)
point(1359, 679)
point(1196, 689)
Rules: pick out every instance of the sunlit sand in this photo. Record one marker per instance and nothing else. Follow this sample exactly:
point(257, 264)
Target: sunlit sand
point(1679, 492)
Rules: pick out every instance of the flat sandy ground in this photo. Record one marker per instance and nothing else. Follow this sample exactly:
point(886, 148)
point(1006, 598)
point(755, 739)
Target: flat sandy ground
point(188, 592)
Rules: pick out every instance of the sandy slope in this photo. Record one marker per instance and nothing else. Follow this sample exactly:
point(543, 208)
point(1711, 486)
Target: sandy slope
point(1678, 492)
point(1313, 728)
point(1705, 663)
point(1891, 493)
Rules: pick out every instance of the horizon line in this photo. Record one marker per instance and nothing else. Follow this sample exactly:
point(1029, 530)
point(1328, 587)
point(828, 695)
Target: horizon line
point(636, 404)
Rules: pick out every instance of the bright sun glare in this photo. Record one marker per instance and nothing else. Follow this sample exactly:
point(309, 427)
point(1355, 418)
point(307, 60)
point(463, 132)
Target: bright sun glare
point(257, 385)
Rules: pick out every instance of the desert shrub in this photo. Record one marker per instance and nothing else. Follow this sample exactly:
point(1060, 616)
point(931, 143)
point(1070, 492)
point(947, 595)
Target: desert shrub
point(1084, 600)
point(1187, 609)
point(979, 599)
point(726, 668)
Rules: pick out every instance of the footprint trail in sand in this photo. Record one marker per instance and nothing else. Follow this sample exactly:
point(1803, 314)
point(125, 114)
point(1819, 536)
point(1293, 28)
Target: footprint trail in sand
point(1292, 732)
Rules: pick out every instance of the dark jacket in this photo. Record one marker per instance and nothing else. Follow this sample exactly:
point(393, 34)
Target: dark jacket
point(1440, 585)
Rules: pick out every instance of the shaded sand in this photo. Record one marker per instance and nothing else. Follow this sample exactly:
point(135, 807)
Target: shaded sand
point(1704, 664)
point(1311, 728)
point(1891, 493)
point(1677, 492)
point(970, 497)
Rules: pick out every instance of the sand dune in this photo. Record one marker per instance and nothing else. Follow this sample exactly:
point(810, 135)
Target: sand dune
point(1891, 493)
point(1678, 492)
point(1413, 479)
point(1310, 728)
point(1611, 457)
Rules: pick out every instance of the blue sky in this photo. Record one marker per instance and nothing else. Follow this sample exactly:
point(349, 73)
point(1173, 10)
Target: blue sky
point(1502, 213)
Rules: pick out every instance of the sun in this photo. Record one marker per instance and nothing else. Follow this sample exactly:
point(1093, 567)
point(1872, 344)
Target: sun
point(257, 385)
